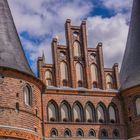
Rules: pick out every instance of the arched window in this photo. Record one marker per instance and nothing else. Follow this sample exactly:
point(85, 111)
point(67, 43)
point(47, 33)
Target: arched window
point(52, 111)
point(93, 56)
point(79, 74)
point(92, 133)
point(80, 133)
point(65, 112)
point(109, 82)
point(48, 78)
point(90, 111)
point(53, 133)
point(67, 133)
point(27, 95)
point(80, 84)
point(103, 134)
point(138, 106)
point(115, 134)
point(77, 49)
point(94, 85)
point(112, 114)
point(64, 73)
point(101, 113)
point(94, 75)
point(64, 83)
point(78, 112)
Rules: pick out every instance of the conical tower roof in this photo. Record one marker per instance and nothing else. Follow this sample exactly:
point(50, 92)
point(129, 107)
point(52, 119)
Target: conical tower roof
point(11, 51)
point(130, 70)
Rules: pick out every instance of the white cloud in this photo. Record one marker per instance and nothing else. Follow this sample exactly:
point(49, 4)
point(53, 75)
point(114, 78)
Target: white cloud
point(112, 32)
point(118, 5)
point(41, 17)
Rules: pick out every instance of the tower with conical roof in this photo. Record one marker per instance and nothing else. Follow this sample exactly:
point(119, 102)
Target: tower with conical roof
point(20, 90)
point(11, 51)
point(130, 75)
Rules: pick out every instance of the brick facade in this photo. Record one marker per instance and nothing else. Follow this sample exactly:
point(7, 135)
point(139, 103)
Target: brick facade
point(71, 93)
point(19, 121)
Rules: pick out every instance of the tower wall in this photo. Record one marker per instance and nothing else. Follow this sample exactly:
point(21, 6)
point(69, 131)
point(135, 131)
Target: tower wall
point(16, 118)
point(132, 119)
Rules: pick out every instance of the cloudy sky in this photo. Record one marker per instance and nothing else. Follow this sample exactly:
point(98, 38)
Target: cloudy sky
point(38, 21)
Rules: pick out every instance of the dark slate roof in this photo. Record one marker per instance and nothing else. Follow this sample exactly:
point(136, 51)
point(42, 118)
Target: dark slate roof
point(11, 51)
point(130, 70)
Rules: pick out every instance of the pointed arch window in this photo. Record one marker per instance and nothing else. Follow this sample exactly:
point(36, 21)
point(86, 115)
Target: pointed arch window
point(80, 133)
point(94, 75)
point(78, 112)
point(101, 114)
point(79, 74)
point(65, 112)
point(112, 114)
point(67, 133)
point(138, 105)
point(115, 134)
point(89, 112)
point(27, 95)
point(52, 112)
point(54, 133)
point(92, 133)
point(109, 82)
point(48, 78)
point(103, 134)
point(77, 49)
point(64, 73)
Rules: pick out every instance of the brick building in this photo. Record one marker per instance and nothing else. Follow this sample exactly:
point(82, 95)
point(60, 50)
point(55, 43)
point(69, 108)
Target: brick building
point(73, 98)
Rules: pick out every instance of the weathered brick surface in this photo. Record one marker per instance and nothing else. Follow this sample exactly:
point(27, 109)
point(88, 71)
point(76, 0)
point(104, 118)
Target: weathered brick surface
point(11, 92)
point(83, 99)
point(71, 96)
point(132, 120)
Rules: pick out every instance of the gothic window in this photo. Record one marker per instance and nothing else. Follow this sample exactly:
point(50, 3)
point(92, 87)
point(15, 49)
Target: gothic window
point(27, 95)
point(79, 74)
point(67, 133)
point(101, 113)
point(115, 134)
point(109, 82)
point(75, 34)
point(92, 133)
point(94, 85)
point(89, 112)
point(112, 114)
point(64, 83)
point(103, 134)
point(80, 84)
point(64, 73)
point(77, 49)
point(54, 133)
point(93, 56)
point(62, 55)
point(78, 112)
point(65, 112)
point(94, 75)
point(80, 133)
point(52, 111)
point(48, 78)
point(138, 106)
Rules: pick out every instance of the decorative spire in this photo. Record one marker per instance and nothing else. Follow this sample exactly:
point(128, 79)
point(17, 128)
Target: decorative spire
point(43, 56)
point(11, 51)
point(130, 70)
